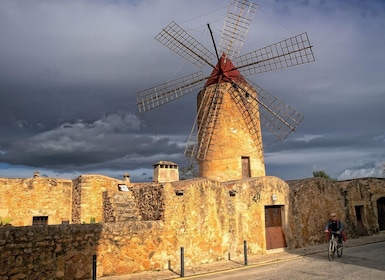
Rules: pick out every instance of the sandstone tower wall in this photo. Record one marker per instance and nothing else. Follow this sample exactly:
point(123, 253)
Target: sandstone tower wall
point(234, 152)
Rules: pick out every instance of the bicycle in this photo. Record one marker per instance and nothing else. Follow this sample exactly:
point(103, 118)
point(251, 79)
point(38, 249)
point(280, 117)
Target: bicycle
point(335, 245)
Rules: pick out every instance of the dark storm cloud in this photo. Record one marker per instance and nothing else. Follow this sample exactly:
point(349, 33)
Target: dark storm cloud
point(111, 139)
point(70, 71)
point(67, 69)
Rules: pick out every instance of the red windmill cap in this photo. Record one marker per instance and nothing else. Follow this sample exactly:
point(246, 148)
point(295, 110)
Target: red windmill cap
point(224, 71)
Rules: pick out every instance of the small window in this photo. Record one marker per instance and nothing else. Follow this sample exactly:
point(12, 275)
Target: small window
point(246, 173)
point(40, 221)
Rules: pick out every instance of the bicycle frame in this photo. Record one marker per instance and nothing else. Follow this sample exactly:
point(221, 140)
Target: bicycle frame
point(334, 246)
point(332, 242)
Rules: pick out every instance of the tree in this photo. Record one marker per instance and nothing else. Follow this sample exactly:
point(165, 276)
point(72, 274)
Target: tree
point(321, 174)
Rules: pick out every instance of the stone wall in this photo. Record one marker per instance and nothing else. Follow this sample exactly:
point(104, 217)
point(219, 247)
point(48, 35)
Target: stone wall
point(22, 199)
point(362, 193)
point(88, 197)
point(120, 207)
point(150, 199)
point(76, 201)
point(312, 200)
point(48, 252)
point(145, 227)
point(199, 215)
point(140, 202)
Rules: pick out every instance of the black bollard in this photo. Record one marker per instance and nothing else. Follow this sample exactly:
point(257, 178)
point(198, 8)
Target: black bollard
point(245, 250)
point(93, 267)
point(181, 262)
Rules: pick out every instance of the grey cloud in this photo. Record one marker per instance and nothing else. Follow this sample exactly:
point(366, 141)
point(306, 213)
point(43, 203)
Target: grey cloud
point(71, 70)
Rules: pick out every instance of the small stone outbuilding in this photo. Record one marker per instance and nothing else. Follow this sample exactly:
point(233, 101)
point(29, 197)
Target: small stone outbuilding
point(165, 171)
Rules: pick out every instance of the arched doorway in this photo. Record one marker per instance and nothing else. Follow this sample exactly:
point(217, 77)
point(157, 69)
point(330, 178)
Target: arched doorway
point(381, 212)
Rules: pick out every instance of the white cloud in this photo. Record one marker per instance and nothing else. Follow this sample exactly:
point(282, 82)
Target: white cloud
point(307, 138)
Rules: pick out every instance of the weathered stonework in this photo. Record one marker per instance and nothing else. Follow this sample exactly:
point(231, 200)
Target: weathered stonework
point(22, 199)
point(144, 227)
point(53, 252)
point(231, 139)
point(312, 200)
point(88, 199)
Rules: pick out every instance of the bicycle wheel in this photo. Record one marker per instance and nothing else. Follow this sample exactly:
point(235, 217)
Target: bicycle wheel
point(340, 249)
point(331, 250)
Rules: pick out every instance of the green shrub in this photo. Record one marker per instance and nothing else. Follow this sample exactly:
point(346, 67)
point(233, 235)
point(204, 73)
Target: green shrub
point(5, 221)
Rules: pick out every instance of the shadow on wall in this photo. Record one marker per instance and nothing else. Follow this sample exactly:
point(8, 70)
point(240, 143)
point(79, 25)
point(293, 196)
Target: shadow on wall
point(48, 252)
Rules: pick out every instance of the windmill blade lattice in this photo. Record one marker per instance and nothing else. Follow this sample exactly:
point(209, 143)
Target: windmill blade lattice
point(182, 43)
point(238, 20)
point(167, 92)
point(205, 122)
point(249, 109)
point(278, 117)
point(290, 52)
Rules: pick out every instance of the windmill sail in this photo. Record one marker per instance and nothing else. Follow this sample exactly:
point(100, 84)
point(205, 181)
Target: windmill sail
point(290, 52)
point(154, 97)
point(205, 123)
point(278, 117)
point(179, 41)
point(238, 20)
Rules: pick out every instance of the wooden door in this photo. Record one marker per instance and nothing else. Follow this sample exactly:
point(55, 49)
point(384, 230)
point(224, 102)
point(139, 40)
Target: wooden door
point(275, 237)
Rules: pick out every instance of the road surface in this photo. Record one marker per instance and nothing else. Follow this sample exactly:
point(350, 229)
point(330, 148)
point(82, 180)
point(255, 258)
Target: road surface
point(357, 263)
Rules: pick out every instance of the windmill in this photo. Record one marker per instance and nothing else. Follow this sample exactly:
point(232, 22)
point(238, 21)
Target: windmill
point(226, 138)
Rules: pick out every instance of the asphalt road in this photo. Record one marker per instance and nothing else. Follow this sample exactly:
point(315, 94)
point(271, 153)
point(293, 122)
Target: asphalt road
point(357, 263)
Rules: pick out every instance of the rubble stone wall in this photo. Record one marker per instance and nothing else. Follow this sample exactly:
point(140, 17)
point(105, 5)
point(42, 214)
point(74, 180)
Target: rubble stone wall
point(312, 200)
point(22, 199)
point(145, 227)
point(88, 197)
point(199, 215)
point(47, 252)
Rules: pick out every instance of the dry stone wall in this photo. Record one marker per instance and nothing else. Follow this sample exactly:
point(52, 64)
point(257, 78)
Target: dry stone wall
point(48, 252)
point(22, 199)
point(120, 207)
point(363, 193)
point(88, 197)
point(199, 215)
point(139, 202)
point(145, 227)
point(312, 200)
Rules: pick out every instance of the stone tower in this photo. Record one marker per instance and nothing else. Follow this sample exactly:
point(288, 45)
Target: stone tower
point(234, 151)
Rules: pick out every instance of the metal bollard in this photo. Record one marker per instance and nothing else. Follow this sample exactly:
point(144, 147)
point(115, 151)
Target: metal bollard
point(245, 251)
point(181, 262)
point(93, 267)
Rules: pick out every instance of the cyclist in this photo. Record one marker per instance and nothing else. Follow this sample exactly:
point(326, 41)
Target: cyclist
point(334, 225)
